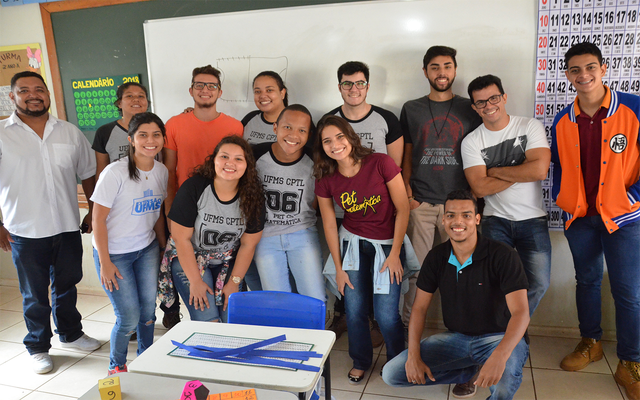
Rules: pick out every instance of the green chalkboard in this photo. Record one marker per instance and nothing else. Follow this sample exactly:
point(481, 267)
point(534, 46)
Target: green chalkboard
point(107, 41)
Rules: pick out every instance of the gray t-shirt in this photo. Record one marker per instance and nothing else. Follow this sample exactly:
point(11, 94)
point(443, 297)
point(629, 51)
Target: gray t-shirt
point(257, 129)
point(217, 225)
point(376, 130)
point(436, 130)
point(289, 191)
point(112, 139)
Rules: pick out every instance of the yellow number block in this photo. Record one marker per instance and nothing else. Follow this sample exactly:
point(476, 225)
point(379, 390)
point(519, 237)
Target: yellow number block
point(110, 388)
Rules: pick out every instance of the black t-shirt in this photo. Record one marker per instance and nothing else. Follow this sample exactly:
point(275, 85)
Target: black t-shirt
point(473, 300)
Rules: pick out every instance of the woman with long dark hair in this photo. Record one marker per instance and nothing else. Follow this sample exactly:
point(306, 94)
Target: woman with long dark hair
point(368, 252)
point(128, 234)
point(217, 219)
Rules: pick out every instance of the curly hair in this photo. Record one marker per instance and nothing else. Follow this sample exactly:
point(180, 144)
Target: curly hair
point(323, 165)
point(250, 189)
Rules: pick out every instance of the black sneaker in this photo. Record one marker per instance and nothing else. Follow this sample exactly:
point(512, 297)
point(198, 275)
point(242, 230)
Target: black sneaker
point(133, 337)
point(171, 319)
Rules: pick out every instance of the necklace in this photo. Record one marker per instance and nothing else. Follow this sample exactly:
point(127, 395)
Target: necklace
point(433, 118)
point(352, 174)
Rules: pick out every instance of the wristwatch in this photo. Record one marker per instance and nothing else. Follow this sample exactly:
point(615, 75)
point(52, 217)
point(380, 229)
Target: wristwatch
point(236, 279)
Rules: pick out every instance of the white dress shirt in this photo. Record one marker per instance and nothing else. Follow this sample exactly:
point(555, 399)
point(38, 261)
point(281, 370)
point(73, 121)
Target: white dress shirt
point(38, 186)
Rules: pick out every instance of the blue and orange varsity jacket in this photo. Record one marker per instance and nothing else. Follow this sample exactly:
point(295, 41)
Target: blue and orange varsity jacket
point(618, 199)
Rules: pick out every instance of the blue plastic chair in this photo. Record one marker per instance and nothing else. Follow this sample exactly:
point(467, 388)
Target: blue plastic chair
point(289, 310)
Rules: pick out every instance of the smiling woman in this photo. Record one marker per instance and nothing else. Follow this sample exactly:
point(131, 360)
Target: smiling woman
point(110, 142)
point(271, 97)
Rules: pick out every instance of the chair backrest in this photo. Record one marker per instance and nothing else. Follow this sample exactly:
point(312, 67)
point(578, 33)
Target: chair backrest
point(269, 308)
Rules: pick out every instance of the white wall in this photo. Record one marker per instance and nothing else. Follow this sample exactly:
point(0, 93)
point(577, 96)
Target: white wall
point(556, 314)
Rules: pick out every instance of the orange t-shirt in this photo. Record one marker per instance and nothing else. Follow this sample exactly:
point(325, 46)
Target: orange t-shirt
point(193, 140)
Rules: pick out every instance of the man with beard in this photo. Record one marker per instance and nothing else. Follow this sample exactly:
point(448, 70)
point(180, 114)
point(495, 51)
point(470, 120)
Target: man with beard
point(191, 137)
point(433, 128)
point(40, 157)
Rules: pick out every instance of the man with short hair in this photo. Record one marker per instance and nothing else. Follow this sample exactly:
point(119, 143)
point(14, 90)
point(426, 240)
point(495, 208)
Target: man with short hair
point(433, 127)
point(596, 164)
point(483, 289)
point(505, 160)
point(380, 130)
point(191, 137)
point(40, 157)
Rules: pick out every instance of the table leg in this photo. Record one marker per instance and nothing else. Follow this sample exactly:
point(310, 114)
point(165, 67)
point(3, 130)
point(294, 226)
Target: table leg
point(302, 395)
point(327, 378)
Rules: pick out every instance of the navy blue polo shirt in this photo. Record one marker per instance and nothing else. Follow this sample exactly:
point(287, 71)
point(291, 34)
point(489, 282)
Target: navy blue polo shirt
point(473, 298)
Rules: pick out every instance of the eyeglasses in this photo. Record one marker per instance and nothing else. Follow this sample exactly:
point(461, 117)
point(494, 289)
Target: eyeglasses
point(201, 85)
point(495, 99)
point(347, 85)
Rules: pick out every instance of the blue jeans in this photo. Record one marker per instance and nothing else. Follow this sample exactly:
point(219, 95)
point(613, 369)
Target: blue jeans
point(252, 277)
point(531, 239)
point(455, 358)
point(134, 303)
point(299, 252)
point(589, 240)
point(181, 282)
point(385, 310)
point(39, 262)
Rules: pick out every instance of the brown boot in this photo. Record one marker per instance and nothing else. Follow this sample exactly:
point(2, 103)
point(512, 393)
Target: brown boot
point(586, 352)
point(628, 376)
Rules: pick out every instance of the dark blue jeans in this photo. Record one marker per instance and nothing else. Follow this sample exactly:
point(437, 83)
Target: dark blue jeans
point(55, 260)
point(530, 238)
point(455, 358)
point(589, 241)
point(385, 310)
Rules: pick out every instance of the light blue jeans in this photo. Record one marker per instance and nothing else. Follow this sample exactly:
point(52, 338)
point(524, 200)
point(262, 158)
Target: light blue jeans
point(299, 252)
point(134, 303)
point(455, 358)
point(181, 282)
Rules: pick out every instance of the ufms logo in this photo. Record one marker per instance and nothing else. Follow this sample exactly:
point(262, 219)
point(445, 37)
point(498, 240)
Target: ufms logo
point(147, 204)
point(618, 143)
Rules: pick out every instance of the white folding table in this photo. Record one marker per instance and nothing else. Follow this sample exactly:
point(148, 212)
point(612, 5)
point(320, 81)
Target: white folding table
point(156, 361)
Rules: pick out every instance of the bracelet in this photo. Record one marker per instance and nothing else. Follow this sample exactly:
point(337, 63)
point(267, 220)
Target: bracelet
point(411, 198)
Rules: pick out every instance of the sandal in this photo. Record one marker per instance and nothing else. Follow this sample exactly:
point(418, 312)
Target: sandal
point(355, 379)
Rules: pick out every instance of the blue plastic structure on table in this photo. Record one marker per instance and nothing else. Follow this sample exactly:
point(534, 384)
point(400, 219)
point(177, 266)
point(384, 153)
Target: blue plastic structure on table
point(269, 308)
point(289, 310)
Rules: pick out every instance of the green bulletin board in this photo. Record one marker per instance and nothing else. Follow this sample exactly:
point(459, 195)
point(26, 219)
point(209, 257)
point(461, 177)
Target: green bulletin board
point(94, 100)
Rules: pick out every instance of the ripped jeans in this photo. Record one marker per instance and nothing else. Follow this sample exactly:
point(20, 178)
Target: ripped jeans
point(135, 302)
point(214, 313)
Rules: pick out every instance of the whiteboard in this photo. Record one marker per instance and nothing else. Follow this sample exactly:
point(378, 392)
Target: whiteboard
point(306, 45)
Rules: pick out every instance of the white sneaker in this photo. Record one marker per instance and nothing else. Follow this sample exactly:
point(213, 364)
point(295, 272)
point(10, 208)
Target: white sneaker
point(41, 363)
point(85, 343)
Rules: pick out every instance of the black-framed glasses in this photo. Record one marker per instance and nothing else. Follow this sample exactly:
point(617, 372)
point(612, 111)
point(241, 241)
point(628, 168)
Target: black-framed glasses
point(347, 85)
point(201, 85)
point(495, 99)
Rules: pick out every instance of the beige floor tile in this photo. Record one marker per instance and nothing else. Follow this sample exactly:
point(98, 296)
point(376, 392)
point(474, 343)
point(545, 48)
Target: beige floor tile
point(344, 395)
point(105, 314)
point(554, 385)
point(13, 305)
point(547, 352)
point(88, 304)
point(133, 346)
point(17, 371)
point(47, 396)
point(9, 350)
point(376, 386)
point(610, 354)
point(12, 393)
point(8, 293)
point(341, 364)
point(367, 396)
point(342, 343)
point(15, 333)
point(9, 318)
point(79, 378)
